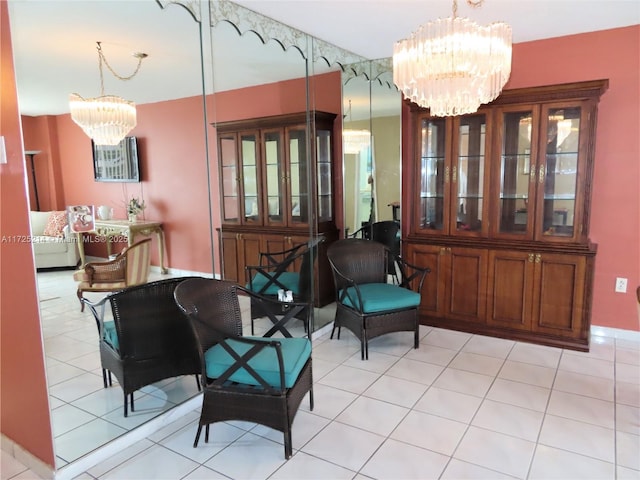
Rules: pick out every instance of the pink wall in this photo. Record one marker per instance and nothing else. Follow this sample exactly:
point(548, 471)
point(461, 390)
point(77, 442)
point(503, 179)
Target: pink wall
point(615, 212)
point(24, 407)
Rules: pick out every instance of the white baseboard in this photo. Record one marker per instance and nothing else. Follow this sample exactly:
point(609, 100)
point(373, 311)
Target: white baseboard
point(26, 458)
point(615, 333)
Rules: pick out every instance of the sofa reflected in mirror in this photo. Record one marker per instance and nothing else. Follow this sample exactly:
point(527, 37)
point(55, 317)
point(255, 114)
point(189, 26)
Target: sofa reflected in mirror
point(54, 245)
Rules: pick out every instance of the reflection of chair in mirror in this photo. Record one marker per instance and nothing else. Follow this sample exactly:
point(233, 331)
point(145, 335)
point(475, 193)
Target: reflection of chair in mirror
point(148, 340)
point(130, 267)
point(291, 269)
point(252, 379)
point(388, 234)
point(366, 304)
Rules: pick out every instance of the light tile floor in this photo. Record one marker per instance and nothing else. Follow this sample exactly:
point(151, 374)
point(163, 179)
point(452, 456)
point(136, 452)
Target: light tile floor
point(460, 406)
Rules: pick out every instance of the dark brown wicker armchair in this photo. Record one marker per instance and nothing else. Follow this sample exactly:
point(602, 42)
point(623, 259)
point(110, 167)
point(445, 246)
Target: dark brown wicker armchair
point(290, 269)
point(254, 379)
point(148, 340)
point(366, 304)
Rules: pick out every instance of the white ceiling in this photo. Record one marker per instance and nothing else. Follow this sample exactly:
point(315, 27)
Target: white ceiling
point(54, 40)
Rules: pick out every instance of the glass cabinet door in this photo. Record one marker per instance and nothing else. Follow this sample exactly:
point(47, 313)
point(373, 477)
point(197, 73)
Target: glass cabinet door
point(517, 174)
point(468, 175)
point(228, 154)
point(325, 194)
point(250, 176)
point(432, 173)
point(558, 174)
point(274, 176)
point(297, 179)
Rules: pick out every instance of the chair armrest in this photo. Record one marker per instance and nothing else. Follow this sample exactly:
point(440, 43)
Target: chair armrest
point(98, 310)
point(410, 273)
point(343, 283)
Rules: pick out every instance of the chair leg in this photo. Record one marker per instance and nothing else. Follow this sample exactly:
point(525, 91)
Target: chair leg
point(79, 294)
point(126, 405)
point(206, 433)
point(110, 379)
point(198, 383)
point(288, 447)
point(104, 377)
point(132, 408)
point(195, 443)
point(311, 398)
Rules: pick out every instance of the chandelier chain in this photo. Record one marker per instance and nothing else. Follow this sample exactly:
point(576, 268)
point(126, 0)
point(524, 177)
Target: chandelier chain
point(471, 3)
point(102, 58)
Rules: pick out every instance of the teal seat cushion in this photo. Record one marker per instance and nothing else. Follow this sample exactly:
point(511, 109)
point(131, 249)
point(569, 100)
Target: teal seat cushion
point(295, 353)
point(288, 279)
point(110, 335)
point(379, 297)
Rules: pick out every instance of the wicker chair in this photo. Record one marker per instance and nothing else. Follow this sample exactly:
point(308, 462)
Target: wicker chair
point(365, 303)
point(290, 269)
point(254, 379)
point(130, 267)
point(148, 340)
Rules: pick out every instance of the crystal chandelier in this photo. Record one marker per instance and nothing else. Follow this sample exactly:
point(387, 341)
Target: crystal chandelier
point(453, 65)
point(355, 141)
point(108, 118)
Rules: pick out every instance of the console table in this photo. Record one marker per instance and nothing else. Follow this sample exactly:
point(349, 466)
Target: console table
point(114, 228)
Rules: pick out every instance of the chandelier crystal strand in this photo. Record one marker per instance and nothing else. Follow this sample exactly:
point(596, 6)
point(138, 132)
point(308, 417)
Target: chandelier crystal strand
point(106, 119)
point(453, 65)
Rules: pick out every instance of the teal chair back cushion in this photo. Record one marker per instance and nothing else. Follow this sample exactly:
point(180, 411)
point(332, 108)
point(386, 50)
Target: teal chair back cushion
point(111, 335)
point(380, 297)
point(295, 353)
point(289, 279)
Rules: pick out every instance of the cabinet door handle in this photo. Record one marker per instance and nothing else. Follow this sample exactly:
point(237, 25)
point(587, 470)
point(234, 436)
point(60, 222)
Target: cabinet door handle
point(454, 176)
point(541, 174)
point(443, 250)
point(538, 258)
point(530, 257)
point(446, 175)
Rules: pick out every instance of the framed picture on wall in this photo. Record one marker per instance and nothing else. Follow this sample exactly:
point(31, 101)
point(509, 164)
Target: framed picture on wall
point(81, 218)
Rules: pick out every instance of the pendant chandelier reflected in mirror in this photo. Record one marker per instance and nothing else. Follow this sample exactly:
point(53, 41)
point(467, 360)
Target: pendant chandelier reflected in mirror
point(108, 118)
point(453, 65)
point(355, 141)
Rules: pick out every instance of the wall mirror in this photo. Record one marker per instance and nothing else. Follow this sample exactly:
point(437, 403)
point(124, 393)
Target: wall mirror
point(85, 415)
point(253, 62)
point(371, 145)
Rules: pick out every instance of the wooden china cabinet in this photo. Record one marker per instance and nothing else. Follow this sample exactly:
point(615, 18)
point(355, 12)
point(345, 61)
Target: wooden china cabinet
point(499, 210)
point(274, 193)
